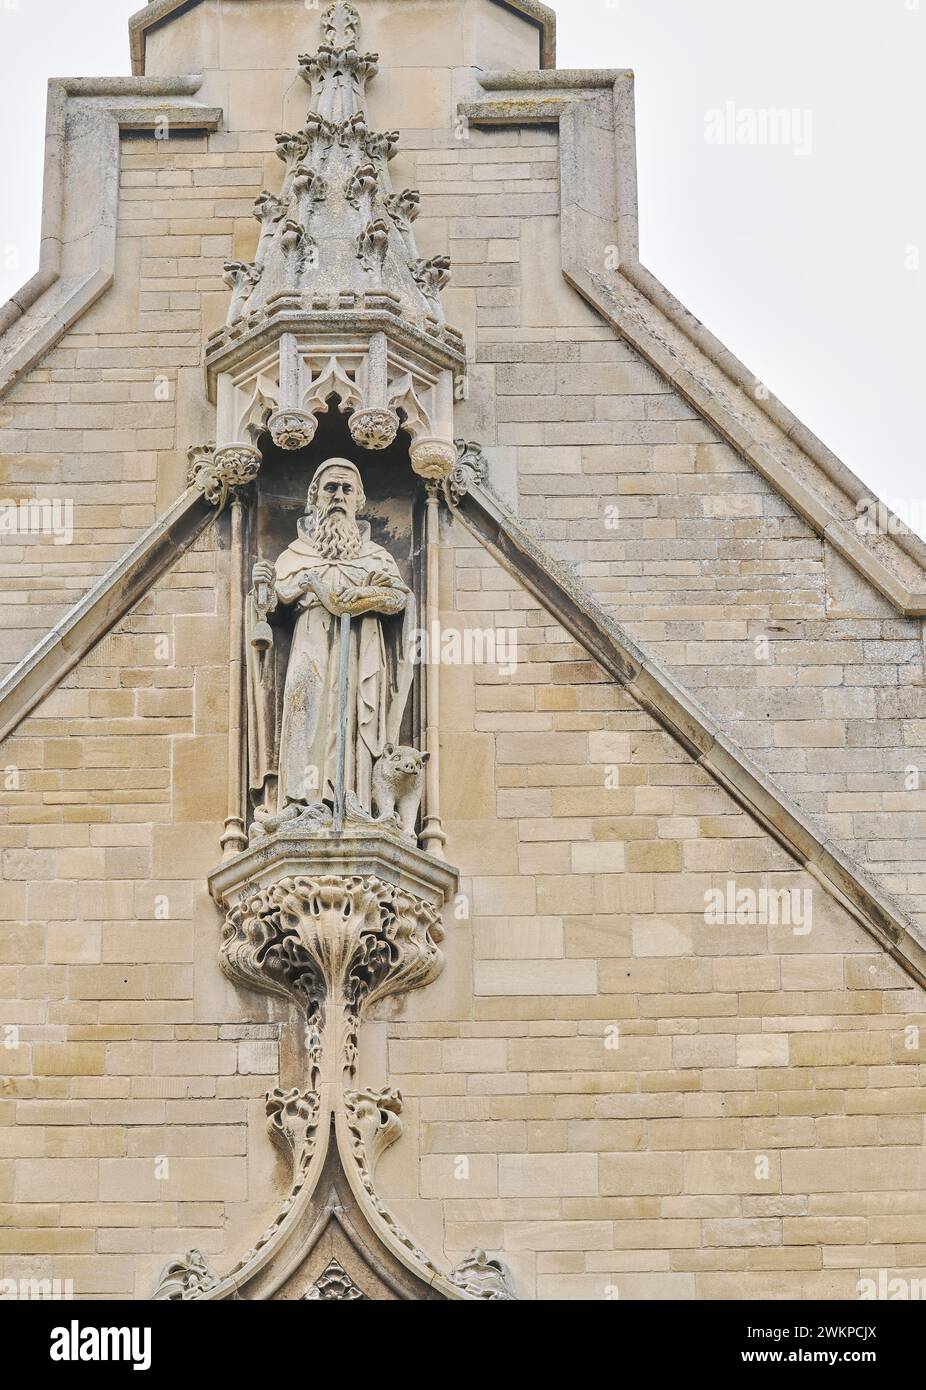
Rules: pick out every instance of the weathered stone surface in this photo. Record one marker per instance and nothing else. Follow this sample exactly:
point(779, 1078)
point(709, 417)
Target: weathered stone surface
point(606, 1087)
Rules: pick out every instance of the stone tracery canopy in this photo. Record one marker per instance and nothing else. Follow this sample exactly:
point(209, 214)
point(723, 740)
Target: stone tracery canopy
point(337, 301)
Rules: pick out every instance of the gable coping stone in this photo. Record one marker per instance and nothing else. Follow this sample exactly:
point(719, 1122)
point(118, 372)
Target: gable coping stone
point(600, 214)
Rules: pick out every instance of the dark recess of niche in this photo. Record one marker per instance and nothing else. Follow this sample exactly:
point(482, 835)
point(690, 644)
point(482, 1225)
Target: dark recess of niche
point(394, 509)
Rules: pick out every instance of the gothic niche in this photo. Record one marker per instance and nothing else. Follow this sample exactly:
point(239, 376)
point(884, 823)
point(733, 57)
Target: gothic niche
point(335, 705)
point(334, 385)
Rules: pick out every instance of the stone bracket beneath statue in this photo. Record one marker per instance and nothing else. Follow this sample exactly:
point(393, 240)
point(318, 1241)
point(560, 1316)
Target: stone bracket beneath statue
point(360, 853)
point(335, 922)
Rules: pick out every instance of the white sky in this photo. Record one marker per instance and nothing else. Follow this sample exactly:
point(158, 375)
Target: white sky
point(807, 265)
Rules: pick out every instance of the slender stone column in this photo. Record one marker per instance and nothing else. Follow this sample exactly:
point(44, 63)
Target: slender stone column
point(432, 836)
point(235, 838)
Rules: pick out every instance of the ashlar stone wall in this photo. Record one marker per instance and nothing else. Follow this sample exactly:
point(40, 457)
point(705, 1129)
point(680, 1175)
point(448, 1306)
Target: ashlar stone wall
point(616, 1095)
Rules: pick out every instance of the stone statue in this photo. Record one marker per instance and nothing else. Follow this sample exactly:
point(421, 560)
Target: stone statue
point(332, 568)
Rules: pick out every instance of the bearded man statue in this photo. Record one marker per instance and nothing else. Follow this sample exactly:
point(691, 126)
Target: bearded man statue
point(333, 567)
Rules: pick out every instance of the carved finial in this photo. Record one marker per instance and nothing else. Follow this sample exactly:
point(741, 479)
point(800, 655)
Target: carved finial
point(334, 1285)
point(341, 25)
point(186, 1279)
point(483, 1278)
point(337, 235)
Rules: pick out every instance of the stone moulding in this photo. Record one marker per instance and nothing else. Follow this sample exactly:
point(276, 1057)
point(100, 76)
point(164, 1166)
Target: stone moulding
point(82, 152)
point(567, 599)
point(332, 1212)
point(595, 115)
point(93, 616)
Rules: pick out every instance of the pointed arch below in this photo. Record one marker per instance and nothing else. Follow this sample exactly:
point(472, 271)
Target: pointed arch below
point(342, 1258)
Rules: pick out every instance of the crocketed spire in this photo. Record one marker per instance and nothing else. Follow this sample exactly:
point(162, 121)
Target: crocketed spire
point(338, 234)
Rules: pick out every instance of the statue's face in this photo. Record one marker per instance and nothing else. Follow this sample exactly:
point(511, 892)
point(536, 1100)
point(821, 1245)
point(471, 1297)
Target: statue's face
point(338, 493)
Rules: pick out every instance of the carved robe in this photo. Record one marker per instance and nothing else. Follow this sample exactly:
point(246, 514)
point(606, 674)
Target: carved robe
point(379, 677)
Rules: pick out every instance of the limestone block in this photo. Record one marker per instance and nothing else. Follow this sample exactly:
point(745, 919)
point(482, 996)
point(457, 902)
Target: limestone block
point(459, 1176)
point(762, 1050)
point(547, 1175)
point(536, 977)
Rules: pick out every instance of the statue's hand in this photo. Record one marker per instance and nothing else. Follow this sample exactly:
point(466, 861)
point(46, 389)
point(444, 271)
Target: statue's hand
point(264, 573)
point(365, 598)
point(311, 583)
point(348, 598)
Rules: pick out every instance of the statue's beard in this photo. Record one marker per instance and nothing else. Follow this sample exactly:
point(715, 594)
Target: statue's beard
point(337, 537)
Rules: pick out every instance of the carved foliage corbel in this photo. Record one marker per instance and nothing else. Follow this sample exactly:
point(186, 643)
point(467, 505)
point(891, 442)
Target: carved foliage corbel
point(218, 473)
point(471, 466)
point(333, 937)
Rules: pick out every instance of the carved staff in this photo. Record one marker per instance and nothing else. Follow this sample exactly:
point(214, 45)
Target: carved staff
point(339, 775)
point(262, 635)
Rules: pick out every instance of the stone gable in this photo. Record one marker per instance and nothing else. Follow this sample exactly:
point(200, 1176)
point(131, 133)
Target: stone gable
point(670, 1044)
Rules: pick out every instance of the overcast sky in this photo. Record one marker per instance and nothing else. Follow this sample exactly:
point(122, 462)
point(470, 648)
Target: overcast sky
point(801, 244)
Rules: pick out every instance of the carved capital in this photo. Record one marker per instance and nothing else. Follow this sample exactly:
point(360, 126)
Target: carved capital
point(292, 429)
point(433, 458)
